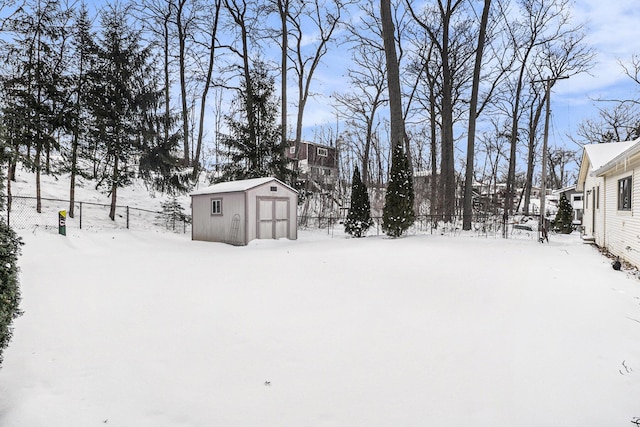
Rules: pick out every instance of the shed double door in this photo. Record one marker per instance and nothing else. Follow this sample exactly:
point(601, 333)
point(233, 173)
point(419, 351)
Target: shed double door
point(273, 218)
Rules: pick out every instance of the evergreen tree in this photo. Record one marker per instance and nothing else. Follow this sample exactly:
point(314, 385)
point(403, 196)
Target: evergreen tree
point(83, 43)
point(9, 286)
point(255, 149)
point(173, 212)
point(36, 89)
point(359, 217)
point(121, 97)
point(563, 222)
point(398, 214)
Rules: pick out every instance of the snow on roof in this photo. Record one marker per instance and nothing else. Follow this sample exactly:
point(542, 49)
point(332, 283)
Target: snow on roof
point(601, 154)
point(235, 186)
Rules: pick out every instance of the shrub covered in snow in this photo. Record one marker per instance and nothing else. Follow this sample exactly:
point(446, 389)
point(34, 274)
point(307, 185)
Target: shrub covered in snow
point(359, 217)
point(9, 285)
point(398, 214)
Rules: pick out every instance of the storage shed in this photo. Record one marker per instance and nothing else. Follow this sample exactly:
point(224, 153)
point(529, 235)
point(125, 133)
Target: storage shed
point(237, 212)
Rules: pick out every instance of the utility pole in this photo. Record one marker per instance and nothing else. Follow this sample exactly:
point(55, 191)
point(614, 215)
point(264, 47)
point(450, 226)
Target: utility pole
point(543, 186)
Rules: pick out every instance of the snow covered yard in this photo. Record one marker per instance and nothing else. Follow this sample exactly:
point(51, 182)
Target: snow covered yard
point(130, 328)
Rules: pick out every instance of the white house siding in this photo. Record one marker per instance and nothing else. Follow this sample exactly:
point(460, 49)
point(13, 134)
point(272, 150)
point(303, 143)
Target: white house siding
point(219, 228)
point(594, 213)
point(623, 227)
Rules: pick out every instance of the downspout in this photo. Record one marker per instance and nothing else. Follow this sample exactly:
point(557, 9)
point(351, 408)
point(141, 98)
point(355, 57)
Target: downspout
point(604, 211)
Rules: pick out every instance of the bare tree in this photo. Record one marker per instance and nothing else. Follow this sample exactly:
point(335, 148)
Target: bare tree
point(618, 119)
point(619, 122)
point(368, 82)
point(393, 74)
point(449, 31)
point(243, 20)
point(544, 40)
point(212, 32)
point(473, 111)
point(324, 16)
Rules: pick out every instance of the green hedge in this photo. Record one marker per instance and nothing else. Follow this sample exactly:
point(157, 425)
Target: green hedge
point(9, 284)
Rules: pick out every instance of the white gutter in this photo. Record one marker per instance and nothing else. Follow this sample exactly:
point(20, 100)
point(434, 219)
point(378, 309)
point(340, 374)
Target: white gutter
point(620, 158)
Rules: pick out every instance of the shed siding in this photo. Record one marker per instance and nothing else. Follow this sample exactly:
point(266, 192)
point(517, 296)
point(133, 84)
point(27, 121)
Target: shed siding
point(264, 192)
point(218, 228)
point(239, 223)
point(623, 227)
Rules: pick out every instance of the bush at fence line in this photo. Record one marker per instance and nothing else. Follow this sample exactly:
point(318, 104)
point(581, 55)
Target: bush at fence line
point(9, 284)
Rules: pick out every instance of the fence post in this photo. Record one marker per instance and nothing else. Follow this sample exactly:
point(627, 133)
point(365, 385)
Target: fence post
point(127, 217)
point(80, 215)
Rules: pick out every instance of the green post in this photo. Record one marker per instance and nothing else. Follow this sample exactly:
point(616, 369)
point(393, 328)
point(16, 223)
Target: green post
point(62, 223)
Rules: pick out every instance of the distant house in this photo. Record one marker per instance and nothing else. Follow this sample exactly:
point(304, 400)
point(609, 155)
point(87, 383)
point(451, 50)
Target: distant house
point(237, 212)
point(575, 198)
point(317, 163)
point(609, 179)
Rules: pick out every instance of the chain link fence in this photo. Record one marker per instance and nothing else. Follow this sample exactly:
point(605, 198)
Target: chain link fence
point(21, 214)
point(481, 225)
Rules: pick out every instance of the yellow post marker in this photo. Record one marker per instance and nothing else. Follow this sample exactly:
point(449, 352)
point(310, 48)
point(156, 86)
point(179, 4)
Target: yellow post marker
point(62, 223)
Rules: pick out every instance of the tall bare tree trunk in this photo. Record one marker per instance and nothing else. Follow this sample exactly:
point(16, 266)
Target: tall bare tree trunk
point(283, 10)
point(183, 81)
point(205, 90)
point(114, 189)
point(393, 74)
point(473, 107)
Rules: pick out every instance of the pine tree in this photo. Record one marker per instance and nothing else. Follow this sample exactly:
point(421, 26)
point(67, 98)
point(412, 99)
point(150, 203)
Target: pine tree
point(84, 53)
point(398, 214)
point(122, 95)
point(255, 149)
point(563, 222)
point(36, 89)
point(173, 212)
point(359, 217)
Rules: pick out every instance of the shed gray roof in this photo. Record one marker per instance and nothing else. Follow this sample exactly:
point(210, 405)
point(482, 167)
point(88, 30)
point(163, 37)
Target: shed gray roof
point(237, 186)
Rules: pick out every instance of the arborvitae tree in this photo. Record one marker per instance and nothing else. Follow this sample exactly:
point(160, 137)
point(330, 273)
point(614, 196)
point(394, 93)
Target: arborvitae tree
point(398, 214)
point(9, 286)
point(564, 218)
point(359, 217)
point(255, 149)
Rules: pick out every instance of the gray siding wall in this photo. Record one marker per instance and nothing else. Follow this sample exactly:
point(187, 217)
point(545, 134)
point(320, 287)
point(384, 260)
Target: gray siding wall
point(593, 219)
point(623, 227)
point(218, 228)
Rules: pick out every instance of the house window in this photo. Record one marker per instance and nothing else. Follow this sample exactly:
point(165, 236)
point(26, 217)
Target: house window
point(322, 152)
point(216, 206)
point(292, 150)
point(624, 194)
point(274, 188)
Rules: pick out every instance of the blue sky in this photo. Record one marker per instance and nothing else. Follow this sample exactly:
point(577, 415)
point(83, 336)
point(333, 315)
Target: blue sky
point(613, 29)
